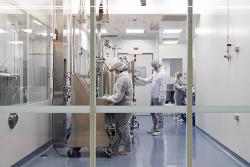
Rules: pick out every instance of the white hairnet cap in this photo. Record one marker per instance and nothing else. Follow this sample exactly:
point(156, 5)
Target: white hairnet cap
point(155, 63)
point(124, 59)
point(119, 66)
point(178, 74)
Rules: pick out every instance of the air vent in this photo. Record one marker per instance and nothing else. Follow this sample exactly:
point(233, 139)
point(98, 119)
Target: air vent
point(111, 36)
point(173, 18)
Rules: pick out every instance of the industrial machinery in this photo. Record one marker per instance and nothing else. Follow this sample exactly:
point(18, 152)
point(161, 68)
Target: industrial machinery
point(79, 135)
point(71, 87)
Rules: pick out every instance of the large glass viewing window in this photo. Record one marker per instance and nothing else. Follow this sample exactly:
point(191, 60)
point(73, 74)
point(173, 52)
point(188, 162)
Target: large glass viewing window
point(56, 78)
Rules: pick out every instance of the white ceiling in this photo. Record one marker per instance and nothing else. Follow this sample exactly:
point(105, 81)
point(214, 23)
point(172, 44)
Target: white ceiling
point(152, 6)
point(119, 22)
point(33, 3)
point(156, 16)
point(134, 6)
point(153, 24)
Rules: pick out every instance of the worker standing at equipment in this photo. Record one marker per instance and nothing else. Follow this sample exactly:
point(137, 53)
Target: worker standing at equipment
point(179, 95)
point(158, 94)
point(122, 96)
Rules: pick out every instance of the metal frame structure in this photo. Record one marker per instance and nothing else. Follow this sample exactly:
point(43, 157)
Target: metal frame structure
point(189, 130)
point(93, 83)
point(93, 109)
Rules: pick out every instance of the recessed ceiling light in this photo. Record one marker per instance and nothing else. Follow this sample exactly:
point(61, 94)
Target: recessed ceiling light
point(37, 22)
point(104, 31)
point(2, 31)
point(134, 31)
point(42, 33)
point(27, 30)
point(172, 31)
point(169, 42)
point(16, 42)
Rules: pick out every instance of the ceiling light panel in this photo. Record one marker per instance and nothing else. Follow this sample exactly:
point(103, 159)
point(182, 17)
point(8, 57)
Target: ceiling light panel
point(104, 31)
point(27, 30)
point(42, 34)
point(37, 22)
point(134, 31)
point(169, 42)
point(16, 42)
point(172, 31)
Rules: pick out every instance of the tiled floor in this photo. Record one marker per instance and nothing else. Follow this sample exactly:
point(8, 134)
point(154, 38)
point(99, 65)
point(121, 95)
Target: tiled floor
point(168, 150)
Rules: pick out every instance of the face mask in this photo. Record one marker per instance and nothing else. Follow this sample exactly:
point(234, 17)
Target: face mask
point(117, 72)
point(155, 69)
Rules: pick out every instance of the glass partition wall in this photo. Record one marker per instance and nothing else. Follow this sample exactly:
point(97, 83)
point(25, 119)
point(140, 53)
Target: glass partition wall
point(36, 73)
point(57, 81)
point(59, 64)
point(24, 57)
point(11, 59)
point(24, 60)
point(136, 37)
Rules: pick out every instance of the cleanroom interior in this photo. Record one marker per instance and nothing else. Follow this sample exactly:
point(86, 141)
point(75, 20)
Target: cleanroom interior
point(45, 81)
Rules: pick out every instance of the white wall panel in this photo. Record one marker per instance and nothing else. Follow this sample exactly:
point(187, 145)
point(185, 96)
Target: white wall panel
point(219, 82)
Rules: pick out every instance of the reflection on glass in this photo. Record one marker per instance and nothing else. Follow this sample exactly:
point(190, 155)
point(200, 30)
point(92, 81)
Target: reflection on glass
point(38, 61)
point(24, 60)
point(153, 46)
point(144, 38)
point(12, 45)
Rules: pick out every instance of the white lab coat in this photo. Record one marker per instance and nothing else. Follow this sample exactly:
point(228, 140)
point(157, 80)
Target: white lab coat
point(123, 90)
point(158, 84)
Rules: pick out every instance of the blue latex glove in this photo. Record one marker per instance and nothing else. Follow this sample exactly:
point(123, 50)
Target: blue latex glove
point(103, 97)
point(106, 97)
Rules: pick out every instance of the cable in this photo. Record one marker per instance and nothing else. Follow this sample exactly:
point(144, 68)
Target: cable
point(228, 22)
point(65, 156)
point(53, 143)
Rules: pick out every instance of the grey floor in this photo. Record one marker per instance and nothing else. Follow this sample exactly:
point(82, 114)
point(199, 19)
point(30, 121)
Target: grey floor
point(168, 150)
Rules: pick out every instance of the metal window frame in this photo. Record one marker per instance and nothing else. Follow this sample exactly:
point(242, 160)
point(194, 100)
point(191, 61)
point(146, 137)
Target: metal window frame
point(93, 109)
point(189, 127)
point(92, 85)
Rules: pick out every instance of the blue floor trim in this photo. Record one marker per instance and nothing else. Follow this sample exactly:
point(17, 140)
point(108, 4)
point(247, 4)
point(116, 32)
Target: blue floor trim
point(224, 149)
point(33, 154)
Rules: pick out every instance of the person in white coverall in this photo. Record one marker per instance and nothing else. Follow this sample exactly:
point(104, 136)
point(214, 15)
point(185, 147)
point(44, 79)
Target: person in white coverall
point(122, 96)
point(179, 95)
point(158, 94)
